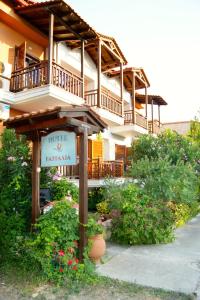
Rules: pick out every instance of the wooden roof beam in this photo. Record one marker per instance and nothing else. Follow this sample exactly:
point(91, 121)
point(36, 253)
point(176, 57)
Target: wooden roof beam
point(111, 51)
point(45, 21)
point(88, 44)
point(58, 30)
point(140, 78)
point(109, 65)
point(64, 24)
point(66, 39)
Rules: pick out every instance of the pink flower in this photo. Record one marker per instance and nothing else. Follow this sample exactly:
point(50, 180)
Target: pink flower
point(61, 253)
point(56, 177)
point(24, 164)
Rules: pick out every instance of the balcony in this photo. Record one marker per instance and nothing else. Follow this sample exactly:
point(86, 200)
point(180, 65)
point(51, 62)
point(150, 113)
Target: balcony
point(109, 108)
point(154, 127)
point(131, 128)
point(140, 120)
point(37, 76)
point(32, 84)
point(97, 169)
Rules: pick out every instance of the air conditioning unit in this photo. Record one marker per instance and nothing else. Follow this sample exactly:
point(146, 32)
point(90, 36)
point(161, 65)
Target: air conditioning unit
point(4, 111)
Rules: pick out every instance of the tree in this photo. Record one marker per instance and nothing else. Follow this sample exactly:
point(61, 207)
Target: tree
point(194, 132)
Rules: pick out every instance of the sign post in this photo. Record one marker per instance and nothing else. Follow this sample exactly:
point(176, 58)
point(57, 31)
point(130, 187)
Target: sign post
point(58, 148)
point(83, 189)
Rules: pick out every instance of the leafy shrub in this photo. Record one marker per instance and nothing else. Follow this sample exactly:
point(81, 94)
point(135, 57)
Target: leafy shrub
point(46, 176)
point(60, 187)
point(183, 212)
point(115, 193)
point(55, 244)
point(15, 192)
point(168, 145)
point(164, 181)
point(95, 196)
point(93, 227)
point(194, 132)
point(141, 221)
point(102, 207)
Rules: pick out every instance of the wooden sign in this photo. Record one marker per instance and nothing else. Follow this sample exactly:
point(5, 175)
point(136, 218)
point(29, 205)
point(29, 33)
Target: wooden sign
point(58, 149)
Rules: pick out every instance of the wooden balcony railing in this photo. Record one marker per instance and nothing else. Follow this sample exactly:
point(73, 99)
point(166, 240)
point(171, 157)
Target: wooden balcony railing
point(37, 76)
point(139, 119)
point(102, 169)
point(97, 169)
point(154, 127)
point(109, 101)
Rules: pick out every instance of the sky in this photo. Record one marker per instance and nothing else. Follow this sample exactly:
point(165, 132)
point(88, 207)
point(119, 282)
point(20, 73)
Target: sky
point(161, 36)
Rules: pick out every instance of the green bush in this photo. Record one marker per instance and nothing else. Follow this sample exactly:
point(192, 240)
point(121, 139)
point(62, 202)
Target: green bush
point(15, 192)
point(142, 221)
point(163, 181)
point(95, 196)
point(55, 244)
point(183, 212)
point(115, 193)
point(93, 227)
point(103, 208)
point(60, 187)
point(168, 145)
point(194, 132)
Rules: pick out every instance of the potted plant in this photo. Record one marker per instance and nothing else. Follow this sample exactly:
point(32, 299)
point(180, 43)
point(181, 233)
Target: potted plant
point(96, 240)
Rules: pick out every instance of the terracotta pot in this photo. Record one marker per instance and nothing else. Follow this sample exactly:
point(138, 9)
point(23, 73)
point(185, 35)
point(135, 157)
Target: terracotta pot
point(98, 247)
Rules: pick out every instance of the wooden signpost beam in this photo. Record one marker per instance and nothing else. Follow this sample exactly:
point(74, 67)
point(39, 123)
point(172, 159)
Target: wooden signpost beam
point(83, 189)
point(35, 180)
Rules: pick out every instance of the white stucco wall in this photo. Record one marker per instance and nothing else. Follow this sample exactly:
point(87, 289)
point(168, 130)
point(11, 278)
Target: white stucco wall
point(72, 58)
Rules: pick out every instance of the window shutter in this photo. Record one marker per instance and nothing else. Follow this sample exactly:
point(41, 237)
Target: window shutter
point(20, 56)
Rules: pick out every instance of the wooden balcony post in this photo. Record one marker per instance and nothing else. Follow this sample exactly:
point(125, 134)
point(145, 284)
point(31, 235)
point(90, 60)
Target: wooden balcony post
point(99, 168)
point(82, 67)
point(146, 103)
point(99, 75)
point(35, 180)
point(83, 189)
point(133, 99)
point(152, 117)
point(50, 47)
point(122, 86)
point(159, 114)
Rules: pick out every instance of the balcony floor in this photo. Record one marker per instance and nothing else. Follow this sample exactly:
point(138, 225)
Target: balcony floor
point(43, 97)
point(131, 130)
point(93, 183)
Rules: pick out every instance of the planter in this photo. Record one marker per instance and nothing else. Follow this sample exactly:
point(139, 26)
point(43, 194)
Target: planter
point(98, 247)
